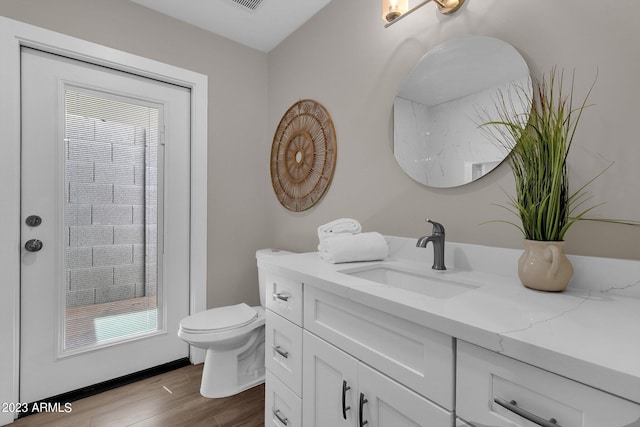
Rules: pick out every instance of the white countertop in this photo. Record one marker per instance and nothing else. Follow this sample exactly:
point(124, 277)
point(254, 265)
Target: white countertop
point(589, 333)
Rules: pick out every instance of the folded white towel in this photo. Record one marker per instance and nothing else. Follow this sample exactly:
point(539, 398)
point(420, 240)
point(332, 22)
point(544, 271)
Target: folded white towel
point(340, 248)
point(339, 226)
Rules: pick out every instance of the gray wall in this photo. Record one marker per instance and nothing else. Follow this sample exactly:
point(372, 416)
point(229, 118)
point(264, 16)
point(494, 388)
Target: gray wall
point(349, 62)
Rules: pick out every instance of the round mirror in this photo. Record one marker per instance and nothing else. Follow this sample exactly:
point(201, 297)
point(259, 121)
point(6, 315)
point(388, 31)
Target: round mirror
point(437, 112)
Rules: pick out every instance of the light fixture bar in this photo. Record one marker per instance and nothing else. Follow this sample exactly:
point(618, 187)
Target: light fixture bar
point(444, 6)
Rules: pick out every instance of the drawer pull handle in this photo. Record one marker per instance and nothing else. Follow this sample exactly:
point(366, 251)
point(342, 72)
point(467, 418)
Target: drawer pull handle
point(361, 410)
point(281, 352)
point(281, 296)
point(345, 408)
point(513, 407)
point(282, 419)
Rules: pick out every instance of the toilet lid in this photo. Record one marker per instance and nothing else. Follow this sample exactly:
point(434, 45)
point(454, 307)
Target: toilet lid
point(215, 319)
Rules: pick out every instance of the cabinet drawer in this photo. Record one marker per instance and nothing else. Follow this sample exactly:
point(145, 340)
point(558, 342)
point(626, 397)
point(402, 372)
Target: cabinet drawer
point(282, 408)
point(283, 346)
point(418, 357)
point(496, 390)
point(284, 296)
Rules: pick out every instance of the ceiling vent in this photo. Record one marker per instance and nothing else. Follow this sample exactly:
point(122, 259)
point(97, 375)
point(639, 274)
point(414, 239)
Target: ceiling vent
point(249, 4)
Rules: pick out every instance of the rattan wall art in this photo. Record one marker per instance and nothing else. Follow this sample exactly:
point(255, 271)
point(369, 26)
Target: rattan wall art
point(303, 155)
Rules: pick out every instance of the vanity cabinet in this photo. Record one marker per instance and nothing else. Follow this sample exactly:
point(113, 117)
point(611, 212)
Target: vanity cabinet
point(283, 351)
point(496, 390)
point(362, 366)
point(341, 391)
point(336, 339)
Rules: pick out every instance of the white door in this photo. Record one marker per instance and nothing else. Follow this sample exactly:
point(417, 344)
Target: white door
point(383, 402)
point(329, 385)
point(105, 224)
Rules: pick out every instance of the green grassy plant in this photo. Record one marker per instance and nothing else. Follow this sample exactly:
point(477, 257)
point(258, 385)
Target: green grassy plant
point(539, 144)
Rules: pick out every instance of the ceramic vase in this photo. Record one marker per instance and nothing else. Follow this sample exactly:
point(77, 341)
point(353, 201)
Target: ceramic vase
point(544, 266)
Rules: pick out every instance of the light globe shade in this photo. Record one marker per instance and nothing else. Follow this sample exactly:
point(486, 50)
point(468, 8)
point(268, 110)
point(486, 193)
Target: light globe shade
point(392, 9)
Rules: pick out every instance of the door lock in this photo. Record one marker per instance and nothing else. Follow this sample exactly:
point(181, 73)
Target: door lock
point(33, 220)
point(33, 245)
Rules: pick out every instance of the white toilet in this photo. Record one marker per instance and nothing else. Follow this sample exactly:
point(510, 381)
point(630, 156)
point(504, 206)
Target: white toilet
point(234, 339)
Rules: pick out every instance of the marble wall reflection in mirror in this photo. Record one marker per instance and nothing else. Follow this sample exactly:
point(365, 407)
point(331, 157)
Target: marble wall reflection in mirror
point(452, 89)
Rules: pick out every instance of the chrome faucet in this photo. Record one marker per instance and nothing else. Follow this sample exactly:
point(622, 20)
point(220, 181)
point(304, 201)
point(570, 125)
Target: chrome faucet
point(437, 237)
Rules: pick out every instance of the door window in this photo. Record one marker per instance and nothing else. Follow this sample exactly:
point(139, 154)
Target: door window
point(111, 216)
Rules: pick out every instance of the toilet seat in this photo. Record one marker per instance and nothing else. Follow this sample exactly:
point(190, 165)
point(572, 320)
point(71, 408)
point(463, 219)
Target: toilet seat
point(210, 335)
point(219, 319)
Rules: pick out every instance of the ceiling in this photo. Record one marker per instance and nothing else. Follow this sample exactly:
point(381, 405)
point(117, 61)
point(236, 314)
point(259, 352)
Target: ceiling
point(262, 28)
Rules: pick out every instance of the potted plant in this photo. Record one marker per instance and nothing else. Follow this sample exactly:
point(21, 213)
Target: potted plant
point(539, 144)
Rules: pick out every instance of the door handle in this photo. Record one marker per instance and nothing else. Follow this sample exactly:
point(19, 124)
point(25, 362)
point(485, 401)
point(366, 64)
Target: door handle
point(33, 245)
point(361, 410)
point(345, 408)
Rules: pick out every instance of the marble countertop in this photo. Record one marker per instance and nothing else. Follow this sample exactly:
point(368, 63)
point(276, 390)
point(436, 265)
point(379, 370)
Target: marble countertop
point(589, 333)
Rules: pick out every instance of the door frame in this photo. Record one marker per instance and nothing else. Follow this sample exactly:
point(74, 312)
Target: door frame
point(14, 35)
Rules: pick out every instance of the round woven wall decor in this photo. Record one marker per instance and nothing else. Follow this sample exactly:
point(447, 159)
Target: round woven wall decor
point(303, 155)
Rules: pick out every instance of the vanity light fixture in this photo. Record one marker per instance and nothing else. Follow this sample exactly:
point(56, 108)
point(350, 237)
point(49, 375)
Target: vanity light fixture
point(395, 10)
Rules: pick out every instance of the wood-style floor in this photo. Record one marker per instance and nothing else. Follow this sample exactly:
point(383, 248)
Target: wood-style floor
point(172, 399)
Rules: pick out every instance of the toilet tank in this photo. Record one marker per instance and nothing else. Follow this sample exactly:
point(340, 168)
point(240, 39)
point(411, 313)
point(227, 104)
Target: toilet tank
point(262, 282)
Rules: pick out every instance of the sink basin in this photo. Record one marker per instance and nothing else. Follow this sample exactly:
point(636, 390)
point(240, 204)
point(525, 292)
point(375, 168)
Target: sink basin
point(436, 285)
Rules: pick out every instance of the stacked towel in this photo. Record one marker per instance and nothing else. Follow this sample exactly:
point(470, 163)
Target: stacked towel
point(339, 226)
point(353, 247)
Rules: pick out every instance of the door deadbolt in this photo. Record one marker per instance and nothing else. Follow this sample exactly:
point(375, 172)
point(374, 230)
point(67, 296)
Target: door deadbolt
point(33, 245)
point(33, 220)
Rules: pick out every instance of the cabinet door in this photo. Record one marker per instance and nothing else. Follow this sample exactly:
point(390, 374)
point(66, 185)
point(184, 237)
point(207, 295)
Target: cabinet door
point(329, 385)
point(383, 402)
